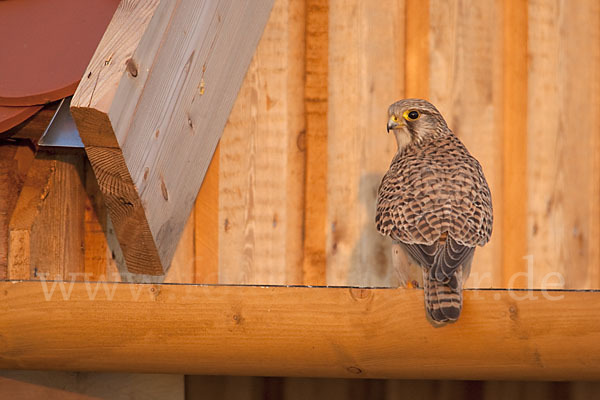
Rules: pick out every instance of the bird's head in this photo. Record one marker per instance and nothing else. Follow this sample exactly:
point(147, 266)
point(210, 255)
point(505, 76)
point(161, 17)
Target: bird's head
point(413, 120)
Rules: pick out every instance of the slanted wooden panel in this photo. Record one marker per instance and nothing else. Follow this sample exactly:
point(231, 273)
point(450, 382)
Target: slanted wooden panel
point(327, 332)
point(151, 122)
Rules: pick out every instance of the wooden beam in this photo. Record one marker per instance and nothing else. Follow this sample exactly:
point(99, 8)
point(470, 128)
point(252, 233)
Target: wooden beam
point(46, 231)
point(151, 121)
point(297, 331)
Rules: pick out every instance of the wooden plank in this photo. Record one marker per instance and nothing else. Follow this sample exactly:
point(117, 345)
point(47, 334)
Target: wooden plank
point(36, 187)
point(15, 159)
point(183, 266)
point(466, 86)
point(182, 78)
point(366, 75)
point(91, 104)
point(206, 226)
point(315, 142)
point(261, 167)
point(46, 231)
point(515, 138)
point(563, 174)
point(417, 37)
point(95, 230)
point(9, 188)
point(328, 332)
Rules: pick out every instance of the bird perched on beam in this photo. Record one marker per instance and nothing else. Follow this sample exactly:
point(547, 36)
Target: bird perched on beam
point(435, 203)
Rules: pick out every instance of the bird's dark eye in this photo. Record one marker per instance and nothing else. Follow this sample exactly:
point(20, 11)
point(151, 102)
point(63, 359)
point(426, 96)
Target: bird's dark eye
point(412, 115)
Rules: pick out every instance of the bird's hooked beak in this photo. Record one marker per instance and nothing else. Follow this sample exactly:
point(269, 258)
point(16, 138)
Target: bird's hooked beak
point(393, 123)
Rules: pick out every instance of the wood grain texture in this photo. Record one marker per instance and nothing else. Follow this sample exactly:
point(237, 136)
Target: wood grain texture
point(9, 187)
point(206, 225)
point(33, 127)
point(47, 227)
point(183, 266)
point(261, 166)
point(416, 48)
point(90, 106)
point(514, 133)
point(182, 80)
point(366, 75)
point(563, 143)
point(33, 193)
point(328, 332)
point(95, 229)
point(466, 86)
point(315, 142)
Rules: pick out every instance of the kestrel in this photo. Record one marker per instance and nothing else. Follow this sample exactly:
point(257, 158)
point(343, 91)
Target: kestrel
point(435, 203)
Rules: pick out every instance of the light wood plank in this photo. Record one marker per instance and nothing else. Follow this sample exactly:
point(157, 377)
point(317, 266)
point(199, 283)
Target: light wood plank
point(466, 86)
point(564, 116)
point(515, 138)
point(261, 168)
point(366, 75)
point(315, 142)
point(328, 332)
point(182, 80)
point(417, 45)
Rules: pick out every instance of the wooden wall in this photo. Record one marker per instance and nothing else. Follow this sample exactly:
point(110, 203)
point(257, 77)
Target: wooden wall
point(305, 147)
point(289, 197)
point(290, 194)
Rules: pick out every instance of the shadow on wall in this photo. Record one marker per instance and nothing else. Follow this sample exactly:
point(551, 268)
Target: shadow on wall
point(371, 260)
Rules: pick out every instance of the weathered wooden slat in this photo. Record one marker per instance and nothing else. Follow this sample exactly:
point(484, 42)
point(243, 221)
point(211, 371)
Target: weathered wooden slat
point(151, 108)
point(297, 331)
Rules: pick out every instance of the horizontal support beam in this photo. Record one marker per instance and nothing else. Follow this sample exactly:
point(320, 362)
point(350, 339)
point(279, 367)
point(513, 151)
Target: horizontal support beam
point(297, 331)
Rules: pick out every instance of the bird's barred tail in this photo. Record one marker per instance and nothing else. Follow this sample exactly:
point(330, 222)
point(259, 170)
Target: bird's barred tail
point(443, 300)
